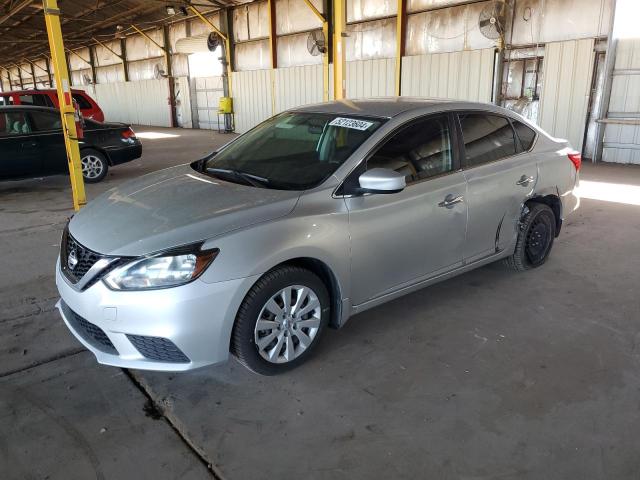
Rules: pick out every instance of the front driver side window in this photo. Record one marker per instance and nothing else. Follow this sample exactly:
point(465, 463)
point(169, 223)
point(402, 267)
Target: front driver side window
point(420, 151)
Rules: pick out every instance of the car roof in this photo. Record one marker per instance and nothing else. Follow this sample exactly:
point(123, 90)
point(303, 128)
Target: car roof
point(388, 107)
point(39, 90)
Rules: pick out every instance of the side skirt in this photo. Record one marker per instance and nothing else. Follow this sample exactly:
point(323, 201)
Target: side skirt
point(429, 281)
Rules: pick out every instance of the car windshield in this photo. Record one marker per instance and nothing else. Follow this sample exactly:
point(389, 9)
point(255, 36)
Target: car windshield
point(292, 151)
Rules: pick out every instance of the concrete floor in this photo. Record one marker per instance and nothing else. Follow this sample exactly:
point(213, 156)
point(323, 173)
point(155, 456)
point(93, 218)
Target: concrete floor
point(488, 375)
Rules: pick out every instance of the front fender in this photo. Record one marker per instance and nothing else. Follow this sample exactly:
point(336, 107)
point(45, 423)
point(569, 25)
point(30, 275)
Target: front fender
point(318, 229)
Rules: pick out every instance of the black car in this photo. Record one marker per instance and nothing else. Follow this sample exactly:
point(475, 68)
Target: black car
point(32, 144)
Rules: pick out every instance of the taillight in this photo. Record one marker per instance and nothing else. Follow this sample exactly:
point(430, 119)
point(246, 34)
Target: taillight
point(128, 133)
point(576, 159)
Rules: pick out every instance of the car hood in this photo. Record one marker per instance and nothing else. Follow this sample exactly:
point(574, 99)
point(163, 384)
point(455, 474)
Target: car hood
point(173, 207)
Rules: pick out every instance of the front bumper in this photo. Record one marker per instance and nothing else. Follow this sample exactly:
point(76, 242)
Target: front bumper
point(196, 319)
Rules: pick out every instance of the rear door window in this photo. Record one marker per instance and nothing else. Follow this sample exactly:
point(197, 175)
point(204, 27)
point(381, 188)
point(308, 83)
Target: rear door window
point(486, 138)
point(526, 135)
point(37, 99)
point(46, 121)
point(6, 100)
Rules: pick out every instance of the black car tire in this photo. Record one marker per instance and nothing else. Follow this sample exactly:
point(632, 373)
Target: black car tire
point(535, 238)
point(243, 338)
point(94, 165)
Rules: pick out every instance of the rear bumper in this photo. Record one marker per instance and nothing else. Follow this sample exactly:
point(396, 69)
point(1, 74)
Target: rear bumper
point(571, 199)
point(118, 155)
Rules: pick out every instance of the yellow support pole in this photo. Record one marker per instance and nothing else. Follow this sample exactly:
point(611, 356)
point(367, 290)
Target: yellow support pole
point(67, 112)
point(227, 44)
point(325, 55)
point(325, 62)
point(339, 62)
point(401, 26)
point(271, 7)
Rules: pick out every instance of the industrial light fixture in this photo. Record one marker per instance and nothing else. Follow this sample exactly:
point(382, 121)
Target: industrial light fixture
point(120, 32)
point(171, 10)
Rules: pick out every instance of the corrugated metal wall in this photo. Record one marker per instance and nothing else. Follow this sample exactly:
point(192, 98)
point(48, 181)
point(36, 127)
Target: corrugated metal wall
point(566, 88)
point(622, 140)
point(464, 75)
point(296, 86)
point(252, 92)
point(371, 78)
point(142, 103)
point(251, 98)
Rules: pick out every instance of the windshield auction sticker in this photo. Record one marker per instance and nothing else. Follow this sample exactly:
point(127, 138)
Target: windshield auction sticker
point(350, 123)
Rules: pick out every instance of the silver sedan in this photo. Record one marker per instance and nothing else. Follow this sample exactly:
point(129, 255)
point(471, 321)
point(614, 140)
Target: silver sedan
point(317, 214)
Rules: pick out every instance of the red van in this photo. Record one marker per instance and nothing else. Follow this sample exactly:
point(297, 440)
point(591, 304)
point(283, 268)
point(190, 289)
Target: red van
point(49, 98)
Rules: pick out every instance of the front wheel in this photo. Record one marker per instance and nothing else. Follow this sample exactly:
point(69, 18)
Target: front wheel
point(535, 239)
point(94, 165)
point(280, 320)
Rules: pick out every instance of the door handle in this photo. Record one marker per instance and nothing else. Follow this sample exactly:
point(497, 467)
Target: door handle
point(449, 201)
point(524, 180)
point(32, 144)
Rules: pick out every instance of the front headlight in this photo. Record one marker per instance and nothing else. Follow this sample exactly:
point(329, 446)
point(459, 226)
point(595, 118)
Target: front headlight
point(160, 271)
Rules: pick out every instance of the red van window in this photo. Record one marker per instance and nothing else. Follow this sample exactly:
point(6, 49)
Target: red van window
point(38, 99)
point(83, 103)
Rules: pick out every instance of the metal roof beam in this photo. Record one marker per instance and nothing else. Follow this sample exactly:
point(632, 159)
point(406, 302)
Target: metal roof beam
point(20, 6)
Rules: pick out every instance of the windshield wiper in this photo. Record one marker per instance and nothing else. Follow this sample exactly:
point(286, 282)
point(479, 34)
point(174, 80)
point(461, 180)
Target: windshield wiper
point(247, 178)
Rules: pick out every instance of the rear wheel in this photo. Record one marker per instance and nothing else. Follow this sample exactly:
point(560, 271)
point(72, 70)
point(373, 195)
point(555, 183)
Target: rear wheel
point(94, 165)
point(280, 320)
point(535, 239)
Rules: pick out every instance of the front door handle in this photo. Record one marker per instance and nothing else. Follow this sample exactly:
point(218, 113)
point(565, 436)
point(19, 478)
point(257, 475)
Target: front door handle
point(524, 181)
point(32, 144)
point(449, 201)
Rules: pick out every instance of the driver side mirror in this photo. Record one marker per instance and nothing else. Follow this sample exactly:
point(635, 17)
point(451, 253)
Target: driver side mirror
point(381, 180)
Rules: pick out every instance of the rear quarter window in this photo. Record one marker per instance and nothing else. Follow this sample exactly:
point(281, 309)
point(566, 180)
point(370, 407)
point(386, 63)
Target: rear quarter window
point(526, 135)
point(83, 103)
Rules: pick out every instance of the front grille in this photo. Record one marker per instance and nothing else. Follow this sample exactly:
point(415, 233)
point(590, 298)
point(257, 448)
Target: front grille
point(156, 348)
point(85, 258)
point(89, 332)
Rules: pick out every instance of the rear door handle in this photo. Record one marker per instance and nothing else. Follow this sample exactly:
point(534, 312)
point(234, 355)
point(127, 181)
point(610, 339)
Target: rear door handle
point(449, 201)
point(32, 144)
point(524, 180)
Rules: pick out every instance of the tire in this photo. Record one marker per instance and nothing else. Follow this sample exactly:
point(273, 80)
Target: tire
point(535, 239)
point(283, 340)
point(94, 165)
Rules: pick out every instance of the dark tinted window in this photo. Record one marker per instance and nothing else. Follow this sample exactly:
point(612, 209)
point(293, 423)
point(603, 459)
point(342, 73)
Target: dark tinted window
point(83, 103)
point(43, 121)
point(486, 138)
point(525, 134)
point(419, 151)
point(13, 123)
point(38, 99)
